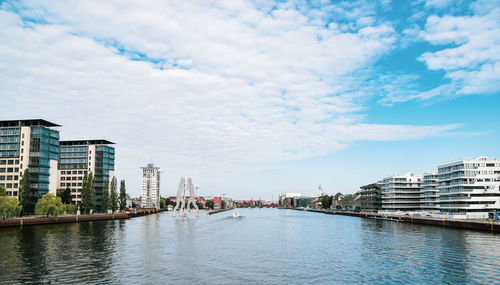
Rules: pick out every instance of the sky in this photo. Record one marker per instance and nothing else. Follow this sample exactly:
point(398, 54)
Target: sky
point(256, 98)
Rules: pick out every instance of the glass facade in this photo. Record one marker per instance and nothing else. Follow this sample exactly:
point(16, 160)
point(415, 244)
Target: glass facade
point(104, 163)
point(44, 146)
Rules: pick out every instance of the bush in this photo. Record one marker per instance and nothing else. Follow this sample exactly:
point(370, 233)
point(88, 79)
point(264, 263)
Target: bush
point(71, 209)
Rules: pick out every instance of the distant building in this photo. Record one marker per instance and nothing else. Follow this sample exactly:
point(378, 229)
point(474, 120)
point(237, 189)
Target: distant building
point(401, 193)
point(469, 188)
point(32, 144)
point(80, 157)
point(371, 197)
point(150, 187)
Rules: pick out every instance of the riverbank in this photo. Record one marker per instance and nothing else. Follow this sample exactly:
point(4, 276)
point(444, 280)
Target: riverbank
point(219, 211)
point(480, 225)
point(37, 220)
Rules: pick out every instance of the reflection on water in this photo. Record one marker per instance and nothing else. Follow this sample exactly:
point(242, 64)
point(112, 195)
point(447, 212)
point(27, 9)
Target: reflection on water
point(263, 246)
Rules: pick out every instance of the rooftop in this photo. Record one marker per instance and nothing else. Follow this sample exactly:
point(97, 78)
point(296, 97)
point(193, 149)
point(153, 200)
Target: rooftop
point(84, 142)
point(28, 123)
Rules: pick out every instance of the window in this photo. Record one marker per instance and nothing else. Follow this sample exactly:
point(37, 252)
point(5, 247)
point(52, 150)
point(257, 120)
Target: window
point(9, 177)
point(10, 170)
point(15, 186)
point(63, 178)
point(16, 177)
point(9, 185)
point(2, 170)
point(74, 172)
point(63, 184)
point(73, 184)
point(3, 162)
point(2, 177)
point(10, 162)
point(80, 172)
point(16, 169)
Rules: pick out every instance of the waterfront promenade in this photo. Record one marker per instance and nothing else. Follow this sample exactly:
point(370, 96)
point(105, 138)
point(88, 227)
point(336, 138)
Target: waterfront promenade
point(40, 220)
point(481, 225)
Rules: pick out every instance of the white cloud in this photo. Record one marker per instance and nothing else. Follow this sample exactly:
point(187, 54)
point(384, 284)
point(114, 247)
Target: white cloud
point(219, 84)
point(472, 63)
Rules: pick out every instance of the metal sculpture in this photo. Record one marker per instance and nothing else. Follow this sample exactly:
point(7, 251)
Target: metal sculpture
point(180, 203)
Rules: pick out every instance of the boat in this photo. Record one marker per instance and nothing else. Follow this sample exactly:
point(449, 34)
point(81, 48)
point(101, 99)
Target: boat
point(236, 214)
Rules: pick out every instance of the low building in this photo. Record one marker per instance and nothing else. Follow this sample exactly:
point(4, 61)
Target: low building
point(371, 197)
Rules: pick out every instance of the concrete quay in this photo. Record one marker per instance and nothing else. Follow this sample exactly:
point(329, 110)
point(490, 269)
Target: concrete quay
point(480, 225)
point(38, 220)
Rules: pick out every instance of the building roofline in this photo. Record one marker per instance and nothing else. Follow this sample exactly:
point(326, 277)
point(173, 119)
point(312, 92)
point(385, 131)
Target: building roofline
point(28, 123)
point(85, 142)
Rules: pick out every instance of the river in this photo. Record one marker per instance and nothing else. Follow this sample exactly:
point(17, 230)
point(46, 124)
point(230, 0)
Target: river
point(263, 246)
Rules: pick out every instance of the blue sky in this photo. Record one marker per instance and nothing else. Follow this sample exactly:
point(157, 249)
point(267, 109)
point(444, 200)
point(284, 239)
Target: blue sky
point(257, 98)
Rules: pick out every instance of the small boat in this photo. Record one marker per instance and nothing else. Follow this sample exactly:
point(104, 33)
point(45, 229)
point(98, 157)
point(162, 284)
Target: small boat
point(236, 214)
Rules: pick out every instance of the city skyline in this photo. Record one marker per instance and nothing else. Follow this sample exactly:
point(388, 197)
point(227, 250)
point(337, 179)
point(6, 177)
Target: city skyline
point(257, 98)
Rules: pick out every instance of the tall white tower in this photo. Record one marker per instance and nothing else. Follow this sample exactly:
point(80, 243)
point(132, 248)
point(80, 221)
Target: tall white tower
point(151, 187)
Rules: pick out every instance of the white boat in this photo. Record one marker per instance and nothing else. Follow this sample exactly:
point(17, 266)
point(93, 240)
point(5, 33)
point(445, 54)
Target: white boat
point(236, 214)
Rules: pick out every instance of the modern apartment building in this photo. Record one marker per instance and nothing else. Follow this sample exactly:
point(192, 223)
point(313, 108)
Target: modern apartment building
point(469, 188)
point(429, 193)
point(401, 193)
point(151, 187)
point(32, 144)
point(371, 197)
point(78, 157)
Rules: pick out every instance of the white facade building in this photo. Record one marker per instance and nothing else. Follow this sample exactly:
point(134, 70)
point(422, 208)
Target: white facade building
point(469, 188)
point(151, 187)
point(401, 193)
point(429, 193)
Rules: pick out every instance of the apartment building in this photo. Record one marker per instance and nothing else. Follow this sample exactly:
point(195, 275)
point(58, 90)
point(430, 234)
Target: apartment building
point(469, 188)
point(401, 193)
point(32, 144)
point(80, 157)
point(151, 187)
point(429, 193)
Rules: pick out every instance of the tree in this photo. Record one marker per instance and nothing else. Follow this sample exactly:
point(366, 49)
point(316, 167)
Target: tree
point(49, 205)
point(163, 205)
point(209, 204)
point(25, 192)
point(3, 191)
point(199, 204)
point(8, 206)
point(123, 196)
point(113, 195)
point(326, 201)
point(65, 195)
point(88, 192)
point(223, 204)
point(105, 196)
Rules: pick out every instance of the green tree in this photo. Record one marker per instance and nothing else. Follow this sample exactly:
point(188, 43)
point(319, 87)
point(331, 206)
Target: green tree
point(113, 195)
point(223, 204)
point(3, 191)
point(71, 209)
point(123, 196)
point(49, 205)
point(88, 193)
point(326, 201)
point(9, 207)
point(105, 196)
point(163, 205)
point(199, 204)
point(25, 192)
point(65, 195)
point(209, 204)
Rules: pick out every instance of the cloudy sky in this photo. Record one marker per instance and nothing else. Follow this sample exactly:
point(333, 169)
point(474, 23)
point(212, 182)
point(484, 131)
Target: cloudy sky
point(257, 98)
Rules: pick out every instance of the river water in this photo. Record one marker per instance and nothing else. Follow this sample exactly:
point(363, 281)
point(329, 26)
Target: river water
point(263, 246)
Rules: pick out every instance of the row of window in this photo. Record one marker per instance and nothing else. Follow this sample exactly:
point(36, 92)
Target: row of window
point(9, 185)
point(67, 184)
point(9, 170)
point(65, 178)
point(73, 172)
point(9, 177)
